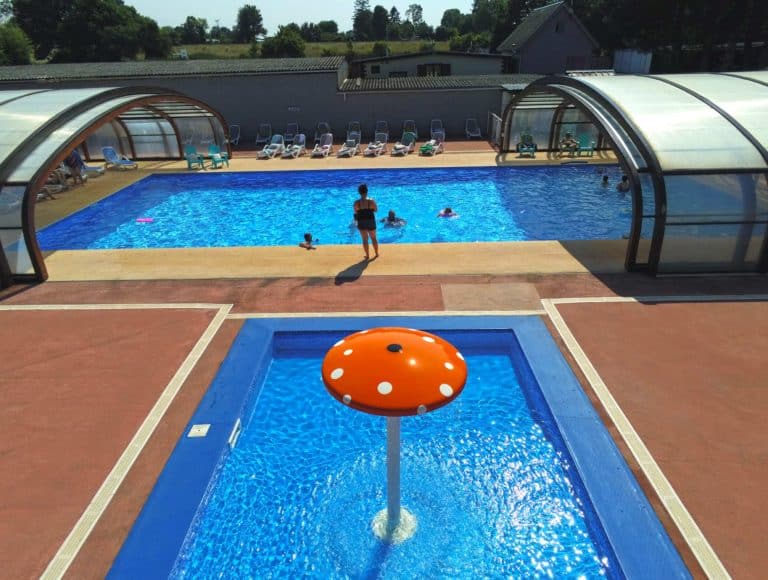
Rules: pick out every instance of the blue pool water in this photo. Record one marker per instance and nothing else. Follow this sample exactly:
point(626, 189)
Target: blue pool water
point(518, 477)
point(276, 208)
point(492, 494)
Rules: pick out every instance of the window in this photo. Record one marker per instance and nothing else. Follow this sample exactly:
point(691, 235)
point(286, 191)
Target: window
point(433, 70)
point(375, 69)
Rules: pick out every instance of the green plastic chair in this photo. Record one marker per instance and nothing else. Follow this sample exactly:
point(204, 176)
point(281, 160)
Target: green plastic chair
point(194, 159)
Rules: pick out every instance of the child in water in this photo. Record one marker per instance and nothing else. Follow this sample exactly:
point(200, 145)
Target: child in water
point(308, 241)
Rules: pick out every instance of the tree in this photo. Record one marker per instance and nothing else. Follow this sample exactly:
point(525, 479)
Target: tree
point(15, 47)
point(154, 42)
point(415, 14)
point(98, 31)
point(287, 43)
point(451, 18)
point(362, 20)
point(193, 31)
point(380, 22)
point(39, 21)
point(249, 24)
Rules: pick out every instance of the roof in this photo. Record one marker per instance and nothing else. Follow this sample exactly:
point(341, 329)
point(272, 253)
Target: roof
point(533, 22)
point(169, 68)
point(452, 53)
point(446, 82)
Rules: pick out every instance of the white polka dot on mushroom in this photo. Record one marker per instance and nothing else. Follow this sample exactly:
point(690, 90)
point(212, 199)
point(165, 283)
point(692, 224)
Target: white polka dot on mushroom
point(348, 352)
point(427, 339)
point(449, 366)
point(347, 399)
point(384, 387)
point(337, 373)
point(446, 390)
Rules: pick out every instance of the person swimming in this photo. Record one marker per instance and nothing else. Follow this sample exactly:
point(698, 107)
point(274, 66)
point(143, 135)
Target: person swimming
point(392, 220)
point(447, 213)
point(308, 242)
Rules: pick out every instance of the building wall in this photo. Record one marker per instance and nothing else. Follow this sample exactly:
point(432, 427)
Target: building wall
point(309, 98)
point(460, 65)
point(548, 50)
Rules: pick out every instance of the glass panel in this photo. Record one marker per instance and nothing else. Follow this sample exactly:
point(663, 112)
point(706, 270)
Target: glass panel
point(615, 132)
point(744, 100)
point(648, 221)
point(104, 136)
point(16, 251)
point(10, 206)
point(684, 132)
point(29, 165)
point(711, 248)
point(21, 118)
point(537, 122)
point(719, 197)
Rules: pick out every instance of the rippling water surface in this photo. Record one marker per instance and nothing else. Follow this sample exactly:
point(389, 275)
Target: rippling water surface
point(295, 499)
point(276, 208)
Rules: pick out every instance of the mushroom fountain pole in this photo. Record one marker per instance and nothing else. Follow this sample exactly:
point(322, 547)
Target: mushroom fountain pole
point(394, 372)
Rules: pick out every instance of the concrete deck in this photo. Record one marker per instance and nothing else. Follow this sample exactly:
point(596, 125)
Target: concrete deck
point(105, 363)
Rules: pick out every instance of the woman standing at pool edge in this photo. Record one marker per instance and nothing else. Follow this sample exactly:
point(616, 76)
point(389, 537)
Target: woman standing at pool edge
point(365, 215)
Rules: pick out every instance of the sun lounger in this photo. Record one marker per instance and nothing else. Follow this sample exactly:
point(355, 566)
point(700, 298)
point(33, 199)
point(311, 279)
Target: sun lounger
point(472, 129)
point(377, 146)
point(409, 126)
point(264, 134)
point(382, 128)
point(405, 145)
point(112, 159)
point(321, 129)
point(433, 146)
point(349, 149)
point(274, 149)
point(436, 128)
point(324, 146)
point(297, 148)
point(354, 131)
point(526, 147)
point(234, 134)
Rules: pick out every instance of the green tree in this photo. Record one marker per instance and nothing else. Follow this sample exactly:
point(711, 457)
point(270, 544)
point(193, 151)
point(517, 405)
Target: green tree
point(193, 31)
point(287, 43)
point(154, 42)
point(362, 20)
point(415, 14)
point(39, 21)
point(249, 24)
point(380, 22)
point(15, 47)
point(451, 18)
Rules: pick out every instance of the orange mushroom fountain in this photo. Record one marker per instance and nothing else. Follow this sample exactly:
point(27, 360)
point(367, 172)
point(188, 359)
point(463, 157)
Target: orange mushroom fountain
point(394, 372)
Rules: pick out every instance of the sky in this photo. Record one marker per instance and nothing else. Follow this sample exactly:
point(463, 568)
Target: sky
point(281, 12)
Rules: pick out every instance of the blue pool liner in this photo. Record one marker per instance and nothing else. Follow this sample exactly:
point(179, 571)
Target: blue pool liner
point(638, 541)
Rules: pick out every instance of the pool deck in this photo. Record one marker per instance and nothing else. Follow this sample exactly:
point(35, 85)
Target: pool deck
point(110, 357)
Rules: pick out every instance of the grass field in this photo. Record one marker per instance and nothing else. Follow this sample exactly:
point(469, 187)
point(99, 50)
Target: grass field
point(313, 49)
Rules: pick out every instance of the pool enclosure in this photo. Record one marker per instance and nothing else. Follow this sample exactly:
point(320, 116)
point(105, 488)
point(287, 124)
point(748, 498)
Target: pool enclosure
point(39, 128)
point(694, 147)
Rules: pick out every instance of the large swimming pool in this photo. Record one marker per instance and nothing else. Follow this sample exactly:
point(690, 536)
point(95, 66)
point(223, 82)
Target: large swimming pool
point(275, 208)
point(516, 478)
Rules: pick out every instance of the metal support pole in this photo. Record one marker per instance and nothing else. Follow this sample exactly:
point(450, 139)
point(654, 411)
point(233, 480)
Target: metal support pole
point(393, 473)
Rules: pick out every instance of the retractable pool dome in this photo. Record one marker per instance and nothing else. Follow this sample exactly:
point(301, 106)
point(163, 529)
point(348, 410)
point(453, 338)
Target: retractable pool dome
point(40, 127)
point(695, 147)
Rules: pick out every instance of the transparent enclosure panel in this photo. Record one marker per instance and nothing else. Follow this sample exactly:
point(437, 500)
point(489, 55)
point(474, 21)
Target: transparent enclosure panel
point(16, 252)
point(534, 121)
point(153, 138)
point(712, 248)
point(716, 197)
point(11, 198)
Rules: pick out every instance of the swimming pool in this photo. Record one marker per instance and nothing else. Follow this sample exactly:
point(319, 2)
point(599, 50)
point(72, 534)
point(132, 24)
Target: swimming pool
point(517, 477)
point(276, 208)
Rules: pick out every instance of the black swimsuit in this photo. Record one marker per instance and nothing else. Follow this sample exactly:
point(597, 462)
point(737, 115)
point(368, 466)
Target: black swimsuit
point(366, 219)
